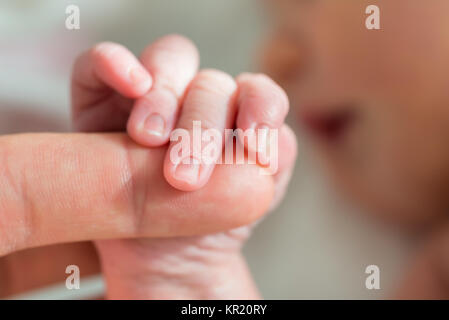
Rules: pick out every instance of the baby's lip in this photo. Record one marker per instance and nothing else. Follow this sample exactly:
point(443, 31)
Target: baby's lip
point(326, 126)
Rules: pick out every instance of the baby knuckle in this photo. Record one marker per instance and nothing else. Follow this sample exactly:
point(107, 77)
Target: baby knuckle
point(214, 82)
point(181, 41)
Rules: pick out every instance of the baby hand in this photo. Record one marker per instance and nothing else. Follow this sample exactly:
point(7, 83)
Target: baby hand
point(113, 90)
point(150, 97)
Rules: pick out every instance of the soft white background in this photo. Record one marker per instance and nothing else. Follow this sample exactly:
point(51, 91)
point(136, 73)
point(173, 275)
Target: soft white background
point(313, 246)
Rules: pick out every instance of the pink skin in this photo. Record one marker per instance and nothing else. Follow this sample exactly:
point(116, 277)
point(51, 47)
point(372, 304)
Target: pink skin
point(210, 99)
point(263, 105)
point(106, 66)
point(66, 188)
point(59, 188)
point(189, 267)
point(154, 115)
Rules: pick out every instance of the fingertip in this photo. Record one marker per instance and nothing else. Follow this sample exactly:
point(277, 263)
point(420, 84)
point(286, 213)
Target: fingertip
point(183, 179)
point(263, 106)
point(116, 66)
point(173, 43)
point(288, 144)
point(262, 102)
point(186, 174)
point(152, 118)
point(147, 130)
point(209, 107)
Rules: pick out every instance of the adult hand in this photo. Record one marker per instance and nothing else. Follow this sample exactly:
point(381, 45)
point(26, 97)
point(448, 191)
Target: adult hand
point(59, 188)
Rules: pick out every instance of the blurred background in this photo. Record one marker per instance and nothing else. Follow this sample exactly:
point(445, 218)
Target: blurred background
point(312, 247)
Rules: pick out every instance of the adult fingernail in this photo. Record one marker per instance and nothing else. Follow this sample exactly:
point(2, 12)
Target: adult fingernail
point(154, 125)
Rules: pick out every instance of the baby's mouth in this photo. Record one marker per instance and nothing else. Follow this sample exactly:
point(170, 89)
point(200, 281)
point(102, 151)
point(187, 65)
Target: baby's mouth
point(329, 127)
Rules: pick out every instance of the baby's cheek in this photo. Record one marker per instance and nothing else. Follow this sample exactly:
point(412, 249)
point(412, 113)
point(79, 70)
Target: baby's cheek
point(402, 174)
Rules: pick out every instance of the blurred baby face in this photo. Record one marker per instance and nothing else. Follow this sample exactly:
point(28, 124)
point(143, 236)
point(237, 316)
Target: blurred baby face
point(374, 103)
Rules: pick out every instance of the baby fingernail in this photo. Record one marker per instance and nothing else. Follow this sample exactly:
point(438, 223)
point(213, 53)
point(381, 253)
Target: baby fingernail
point(154, 125)
point(188, 172)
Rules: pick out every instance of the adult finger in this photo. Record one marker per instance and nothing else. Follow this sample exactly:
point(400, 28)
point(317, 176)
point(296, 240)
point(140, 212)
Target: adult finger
point(59, 188)
point(285, 163)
